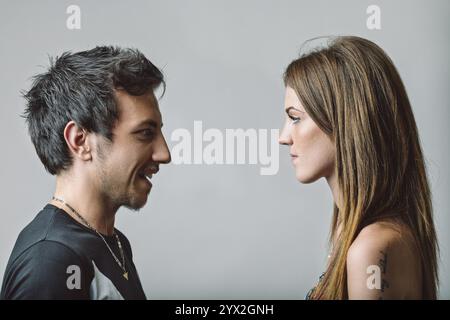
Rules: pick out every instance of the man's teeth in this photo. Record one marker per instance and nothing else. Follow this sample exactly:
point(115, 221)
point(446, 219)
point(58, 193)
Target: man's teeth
point(146, 176)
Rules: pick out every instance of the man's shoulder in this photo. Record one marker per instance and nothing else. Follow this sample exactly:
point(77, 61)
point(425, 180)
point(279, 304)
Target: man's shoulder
point(43, 256)
point(35, 232)
point(50, 230)
point(46, 250)
point(43, 271)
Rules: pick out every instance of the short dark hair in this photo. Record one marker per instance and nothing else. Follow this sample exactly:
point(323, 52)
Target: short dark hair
point(80, 87)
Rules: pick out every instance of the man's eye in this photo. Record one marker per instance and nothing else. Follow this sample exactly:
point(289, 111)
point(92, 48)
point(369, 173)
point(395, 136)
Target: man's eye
point(294, 119)
point(146, 133)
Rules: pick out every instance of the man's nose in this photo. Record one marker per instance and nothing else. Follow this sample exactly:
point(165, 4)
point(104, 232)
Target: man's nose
point(161, 153)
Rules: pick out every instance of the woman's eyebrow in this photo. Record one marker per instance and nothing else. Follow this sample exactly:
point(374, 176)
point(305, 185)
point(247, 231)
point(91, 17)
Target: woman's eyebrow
point(291, 107)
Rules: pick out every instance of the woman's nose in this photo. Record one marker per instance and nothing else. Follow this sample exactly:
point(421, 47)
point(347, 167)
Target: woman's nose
point(285, 137)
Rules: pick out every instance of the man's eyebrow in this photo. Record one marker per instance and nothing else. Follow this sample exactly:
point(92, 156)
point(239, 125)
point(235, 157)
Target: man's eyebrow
point(150, 123)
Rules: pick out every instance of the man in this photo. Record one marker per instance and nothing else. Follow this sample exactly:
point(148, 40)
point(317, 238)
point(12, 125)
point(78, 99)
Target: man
point(95, 123)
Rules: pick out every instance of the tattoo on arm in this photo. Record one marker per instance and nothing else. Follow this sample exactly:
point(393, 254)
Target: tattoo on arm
point(382, 263)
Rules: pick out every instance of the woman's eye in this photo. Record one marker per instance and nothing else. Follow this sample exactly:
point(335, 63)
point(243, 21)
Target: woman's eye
point(294, 119)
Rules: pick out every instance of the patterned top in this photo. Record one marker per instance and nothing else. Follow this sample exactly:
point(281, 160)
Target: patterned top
point(311, 291)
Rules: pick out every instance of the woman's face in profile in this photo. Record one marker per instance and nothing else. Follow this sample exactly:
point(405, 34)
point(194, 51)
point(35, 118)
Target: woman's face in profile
point(312, 151)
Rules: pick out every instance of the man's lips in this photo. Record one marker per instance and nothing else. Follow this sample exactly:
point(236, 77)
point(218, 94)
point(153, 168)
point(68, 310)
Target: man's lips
point(148, 174)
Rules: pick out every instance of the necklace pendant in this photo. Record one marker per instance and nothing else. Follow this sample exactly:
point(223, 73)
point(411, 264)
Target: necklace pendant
point(125, 275)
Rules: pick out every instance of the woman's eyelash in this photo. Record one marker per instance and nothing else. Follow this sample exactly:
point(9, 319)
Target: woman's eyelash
point(294, 119)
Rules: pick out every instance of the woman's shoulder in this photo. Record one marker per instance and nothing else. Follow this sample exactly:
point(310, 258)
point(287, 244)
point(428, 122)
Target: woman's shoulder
point(382, 262)
point(381, 234)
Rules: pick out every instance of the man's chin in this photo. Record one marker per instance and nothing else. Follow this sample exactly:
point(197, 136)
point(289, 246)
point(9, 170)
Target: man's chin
point(136, 203)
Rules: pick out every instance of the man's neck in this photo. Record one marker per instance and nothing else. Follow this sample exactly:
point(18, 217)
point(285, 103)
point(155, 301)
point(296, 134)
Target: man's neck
point(83, 196)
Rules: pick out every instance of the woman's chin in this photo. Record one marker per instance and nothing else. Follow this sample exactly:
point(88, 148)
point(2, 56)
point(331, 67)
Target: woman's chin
point(304, 178)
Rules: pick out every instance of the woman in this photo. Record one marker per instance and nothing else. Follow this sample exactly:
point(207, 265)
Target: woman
point(349, 120)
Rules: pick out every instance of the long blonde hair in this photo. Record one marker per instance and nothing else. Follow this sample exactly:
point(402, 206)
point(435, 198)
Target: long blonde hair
point(353, 92)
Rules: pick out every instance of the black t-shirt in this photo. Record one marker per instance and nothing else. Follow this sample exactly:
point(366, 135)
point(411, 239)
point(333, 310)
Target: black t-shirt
point(56, 257)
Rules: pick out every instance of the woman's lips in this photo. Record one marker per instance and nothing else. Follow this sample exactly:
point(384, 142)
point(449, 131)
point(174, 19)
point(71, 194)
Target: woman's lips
point(293, 157)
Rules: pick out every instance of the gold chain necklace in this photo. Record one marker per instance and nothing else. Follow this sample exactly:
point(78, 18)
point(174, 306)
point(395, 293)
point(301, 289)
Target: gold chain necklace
point(119, 244)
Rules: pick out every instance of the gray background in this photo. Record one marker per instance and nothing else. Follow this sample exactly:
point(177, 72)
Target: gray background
point(222, 231)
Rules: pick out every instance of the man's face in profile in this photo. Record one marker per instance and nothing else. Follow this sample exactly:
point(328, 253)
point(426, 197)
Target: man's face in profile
point(126, 165)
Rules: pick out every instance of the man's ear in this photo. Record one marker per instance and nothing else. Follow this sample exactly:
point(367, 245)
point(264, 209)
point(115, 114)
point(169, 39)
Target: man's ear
point(78, 141)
